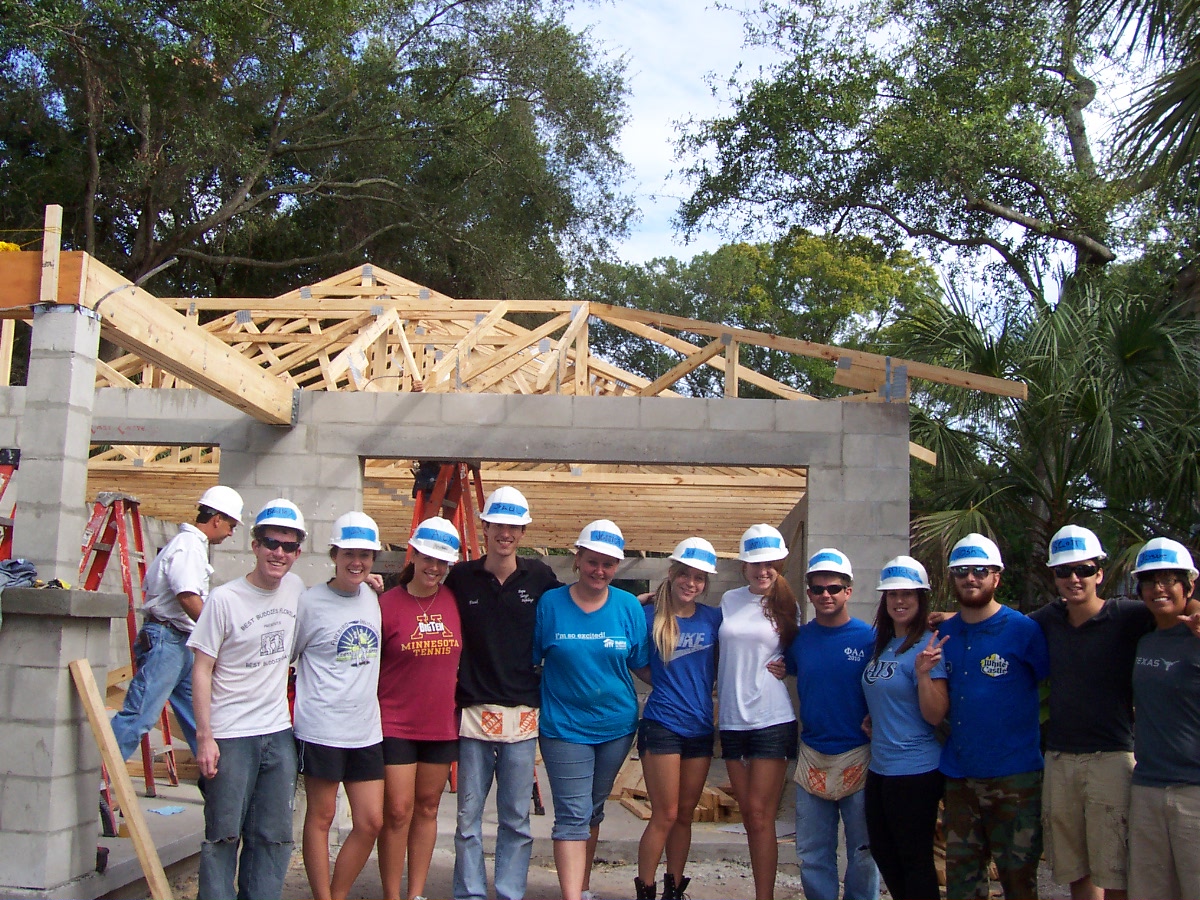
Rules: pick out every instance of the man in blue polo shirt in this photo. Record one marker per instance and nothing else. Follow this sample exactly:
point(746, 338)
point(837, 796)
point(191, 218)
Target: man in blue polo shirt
point(994, 658)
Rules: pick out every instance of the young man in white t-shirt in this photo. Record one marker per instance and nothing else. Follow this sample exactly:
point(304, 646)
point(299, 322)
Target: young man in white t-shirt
point(242, 643)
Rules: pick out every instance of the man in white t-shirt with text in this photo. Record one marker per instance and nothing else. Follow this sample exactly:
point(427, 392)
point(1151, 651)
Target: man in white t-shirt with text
point(247, 755)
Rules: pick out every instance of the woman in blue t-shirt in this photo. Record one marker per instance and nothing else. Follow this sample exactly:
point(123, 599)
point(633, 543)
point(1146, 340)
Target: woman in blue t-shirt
point(905, 686)
point(587, 638)
point(675, 738)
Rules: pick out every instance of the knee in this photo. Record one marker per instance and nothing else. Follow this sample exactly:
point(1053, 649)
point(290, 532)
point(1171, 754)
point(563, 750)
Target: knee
point(683, 817)
point(427, 807)
point(397, 812)
point(368, 823)
point(319, 817)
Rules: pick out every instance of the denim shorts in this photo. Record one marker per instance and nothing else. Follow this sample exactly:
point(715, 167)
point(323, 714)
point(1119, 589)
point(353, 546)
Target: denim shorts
point(403, 752)
point(656, 738)
point(340, 763)
point(773, 742)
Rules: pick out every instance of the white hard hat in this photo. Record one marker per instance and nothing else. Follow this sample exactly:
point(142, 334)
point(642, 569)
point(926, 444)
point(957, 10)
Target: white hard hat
point(762, 543)
point(1072, 544)
point(697, 553)
point(437, 537)
point(506, 506)
point(355, 531)
point(604, 537)
point(829, 559)
point(976, 550)
point(903, 574)
point(1164, 553)
point(224, 500)
point(282, 514)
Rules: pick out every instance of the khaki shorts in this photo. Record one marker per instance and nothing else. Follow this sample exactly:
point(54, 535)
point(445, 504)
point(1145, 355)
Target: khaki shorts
point(1085, 811)
point(1164, 832)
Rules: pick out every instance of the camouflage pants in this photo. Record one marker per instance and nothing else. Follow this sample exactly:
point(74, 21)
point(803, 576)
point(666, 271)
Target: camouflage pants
point(996, 819)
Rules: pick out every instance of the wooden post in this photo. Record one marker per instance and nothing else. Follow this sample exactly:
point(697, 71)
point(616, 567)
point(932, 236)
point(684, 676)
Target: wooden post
point(143, 843)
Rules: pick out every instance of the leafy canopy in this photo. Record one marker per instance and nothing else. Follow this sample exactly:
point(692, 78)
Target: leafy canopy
point(468, 143)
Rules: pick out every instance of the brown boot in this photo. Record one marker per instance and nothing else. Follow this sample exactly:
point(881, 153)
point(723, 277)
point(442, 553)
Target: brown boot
point(646, 891)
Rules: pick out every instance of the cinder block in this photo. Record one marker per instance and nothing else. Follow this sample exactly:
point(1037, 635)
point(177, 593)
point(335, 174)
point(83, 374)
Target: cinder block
point(278, 471)
point(823, 416)
point(345, 472)
point(473, 409)
point(603, 412)
point(12, 401)
point(825, 483)
point(346, 407)
point(293, 441)
point(394, 410)
point(670, 412)
point(66, 330)
point(875, 418)
point(742, 415)
point(42, 695)
point(23, 864)
point(539, 411)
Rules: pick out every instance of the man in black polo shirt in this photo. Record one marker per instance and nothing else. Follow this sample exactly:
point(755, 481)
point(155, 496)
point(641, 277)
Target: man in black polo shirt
point(1089, 737)
point(498, 693)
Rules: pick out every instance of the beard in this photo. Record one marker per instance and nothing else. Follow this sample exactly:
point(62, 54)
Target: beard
point(978, 600)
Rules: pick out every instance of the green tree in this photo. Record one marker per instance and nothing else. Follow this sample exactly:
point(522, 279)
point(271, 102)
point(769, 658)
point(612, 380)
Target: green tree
point(468, 143)
point(955, 125)
point(829, 289)
point(1109, 436)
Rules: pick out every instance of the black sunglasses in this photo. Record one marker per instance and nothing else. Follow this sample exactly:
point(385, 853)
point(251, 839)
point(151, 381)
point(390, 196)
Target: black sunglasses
point(1082, 571)
point(964, 571)
point(832, 589)
point(286, 546)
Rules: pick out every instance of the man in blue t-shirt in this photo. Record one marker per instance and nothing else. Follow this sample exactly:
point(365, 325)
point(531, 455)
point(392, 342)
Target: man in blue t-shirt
point(994, 658)
point(828, 657)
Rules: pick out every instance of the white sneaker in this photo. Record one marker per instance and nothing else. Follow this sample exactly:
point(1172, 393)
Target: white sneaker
point(588, 895)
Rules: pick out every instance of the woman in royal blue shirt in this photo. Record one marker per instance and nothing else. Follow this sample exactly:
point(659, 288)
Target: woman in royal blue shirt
point(675, 738)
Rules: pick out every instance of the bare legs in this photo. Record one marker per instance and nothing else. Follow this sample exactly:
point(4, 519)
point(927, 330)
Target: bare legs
point(412, 794)
point(674, 786)
point(366, 809)
point(757, 786)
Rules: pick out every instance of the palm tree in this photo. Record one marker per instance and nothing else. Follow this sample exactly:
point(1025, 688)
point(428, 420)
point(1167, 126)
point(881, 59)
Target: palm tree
point(1109, 437)
point(1165, 128)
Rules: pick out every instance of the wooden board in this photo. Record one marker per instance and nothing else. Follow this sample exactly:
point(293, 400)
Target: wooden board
point(143, 843)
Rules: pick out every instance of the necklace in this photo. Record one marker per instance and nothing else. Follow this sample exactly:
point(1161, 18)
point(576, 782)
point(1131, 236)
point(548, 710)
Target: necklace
point(423, 607)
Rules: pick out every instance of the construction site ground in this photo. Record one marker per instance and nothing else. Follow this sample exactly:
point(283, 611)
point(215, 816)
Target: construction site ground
point(718, 865)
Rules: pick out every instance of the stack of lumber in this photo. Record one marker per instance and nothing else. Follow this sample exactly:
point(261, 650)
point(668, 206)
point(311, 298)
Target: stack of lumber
point(629, 789)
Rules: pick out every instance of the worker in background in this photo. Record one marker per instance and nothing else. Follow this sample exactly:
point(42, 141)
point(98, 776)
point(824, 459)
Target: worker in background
point(247, 755)
point(176, 587)
point(498, 694)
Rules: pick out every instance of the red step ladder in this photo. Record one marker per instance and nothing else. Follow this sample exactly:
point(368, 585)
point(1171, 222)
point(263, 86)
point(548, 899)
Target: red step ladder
point(116, 524)
point(10, 459)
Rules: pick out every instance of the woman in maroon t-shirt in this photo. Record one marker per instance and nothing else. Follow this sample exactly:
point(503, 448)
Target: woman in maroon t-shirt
point(417, 675)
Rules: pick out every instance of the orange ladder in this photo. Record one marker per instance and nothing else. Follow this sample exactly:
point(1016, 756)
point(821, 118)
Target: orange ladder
point(116, 524)
point(10, 459)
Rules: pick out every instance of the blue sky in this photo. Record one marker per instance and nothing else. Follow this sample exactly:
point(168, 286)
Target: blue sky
point(671, 47)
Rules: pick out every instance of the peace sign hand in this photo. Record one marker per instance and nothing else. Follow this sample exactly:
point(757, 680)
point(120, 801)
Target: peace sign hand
point(931, 655)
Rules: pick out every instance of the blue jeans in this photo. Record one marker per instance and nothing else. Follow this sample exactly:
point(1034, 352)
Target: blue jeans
point(512, 766)
point(817, 841)
point(164, 672)
point(250, 801)
point(581, 775)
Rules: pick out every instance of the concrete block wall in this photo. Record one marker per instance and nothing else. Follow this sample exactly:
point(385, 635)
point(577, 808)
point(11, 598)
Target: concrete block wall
point(50, 776)
point(857, 453)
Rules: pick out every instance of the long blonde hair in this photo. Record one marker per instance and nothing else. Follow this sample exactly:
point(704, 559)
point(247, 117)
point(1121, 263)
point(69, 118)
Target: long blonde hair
point(666, 630)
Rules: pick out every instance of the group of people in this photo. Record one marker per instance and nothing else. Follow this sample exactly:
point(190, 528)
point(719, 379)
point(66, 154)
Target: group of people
point(482, 661)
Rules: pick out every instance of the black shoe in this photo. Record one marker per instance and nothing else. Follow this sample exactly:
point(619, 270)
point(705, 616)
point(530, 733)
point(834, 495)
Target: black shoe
point(671, 890)
point(645, 891)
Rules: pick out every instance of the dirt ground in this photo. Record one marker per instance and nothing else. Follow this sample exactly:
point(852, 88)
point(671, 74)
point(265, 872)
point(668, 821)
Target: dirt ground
point(610, 881)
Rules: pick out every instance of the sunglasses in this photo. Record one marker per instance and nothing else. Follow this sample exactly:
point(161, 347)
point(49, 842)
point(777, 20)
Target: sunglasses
point(286, 546)
point(964, 571)
point(1163, 581)
point(1080, 571)
point(832, 589)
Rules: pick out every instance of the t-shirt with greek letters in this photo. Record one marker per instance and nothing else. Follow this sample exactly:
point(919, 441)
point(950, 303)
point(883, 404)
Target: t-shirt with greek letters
point(249, 632)
point(422, 642)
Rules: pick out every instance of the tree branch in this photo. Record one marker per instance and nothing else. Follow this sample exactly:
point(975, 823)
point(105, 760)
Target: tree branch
point(1079, 241)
